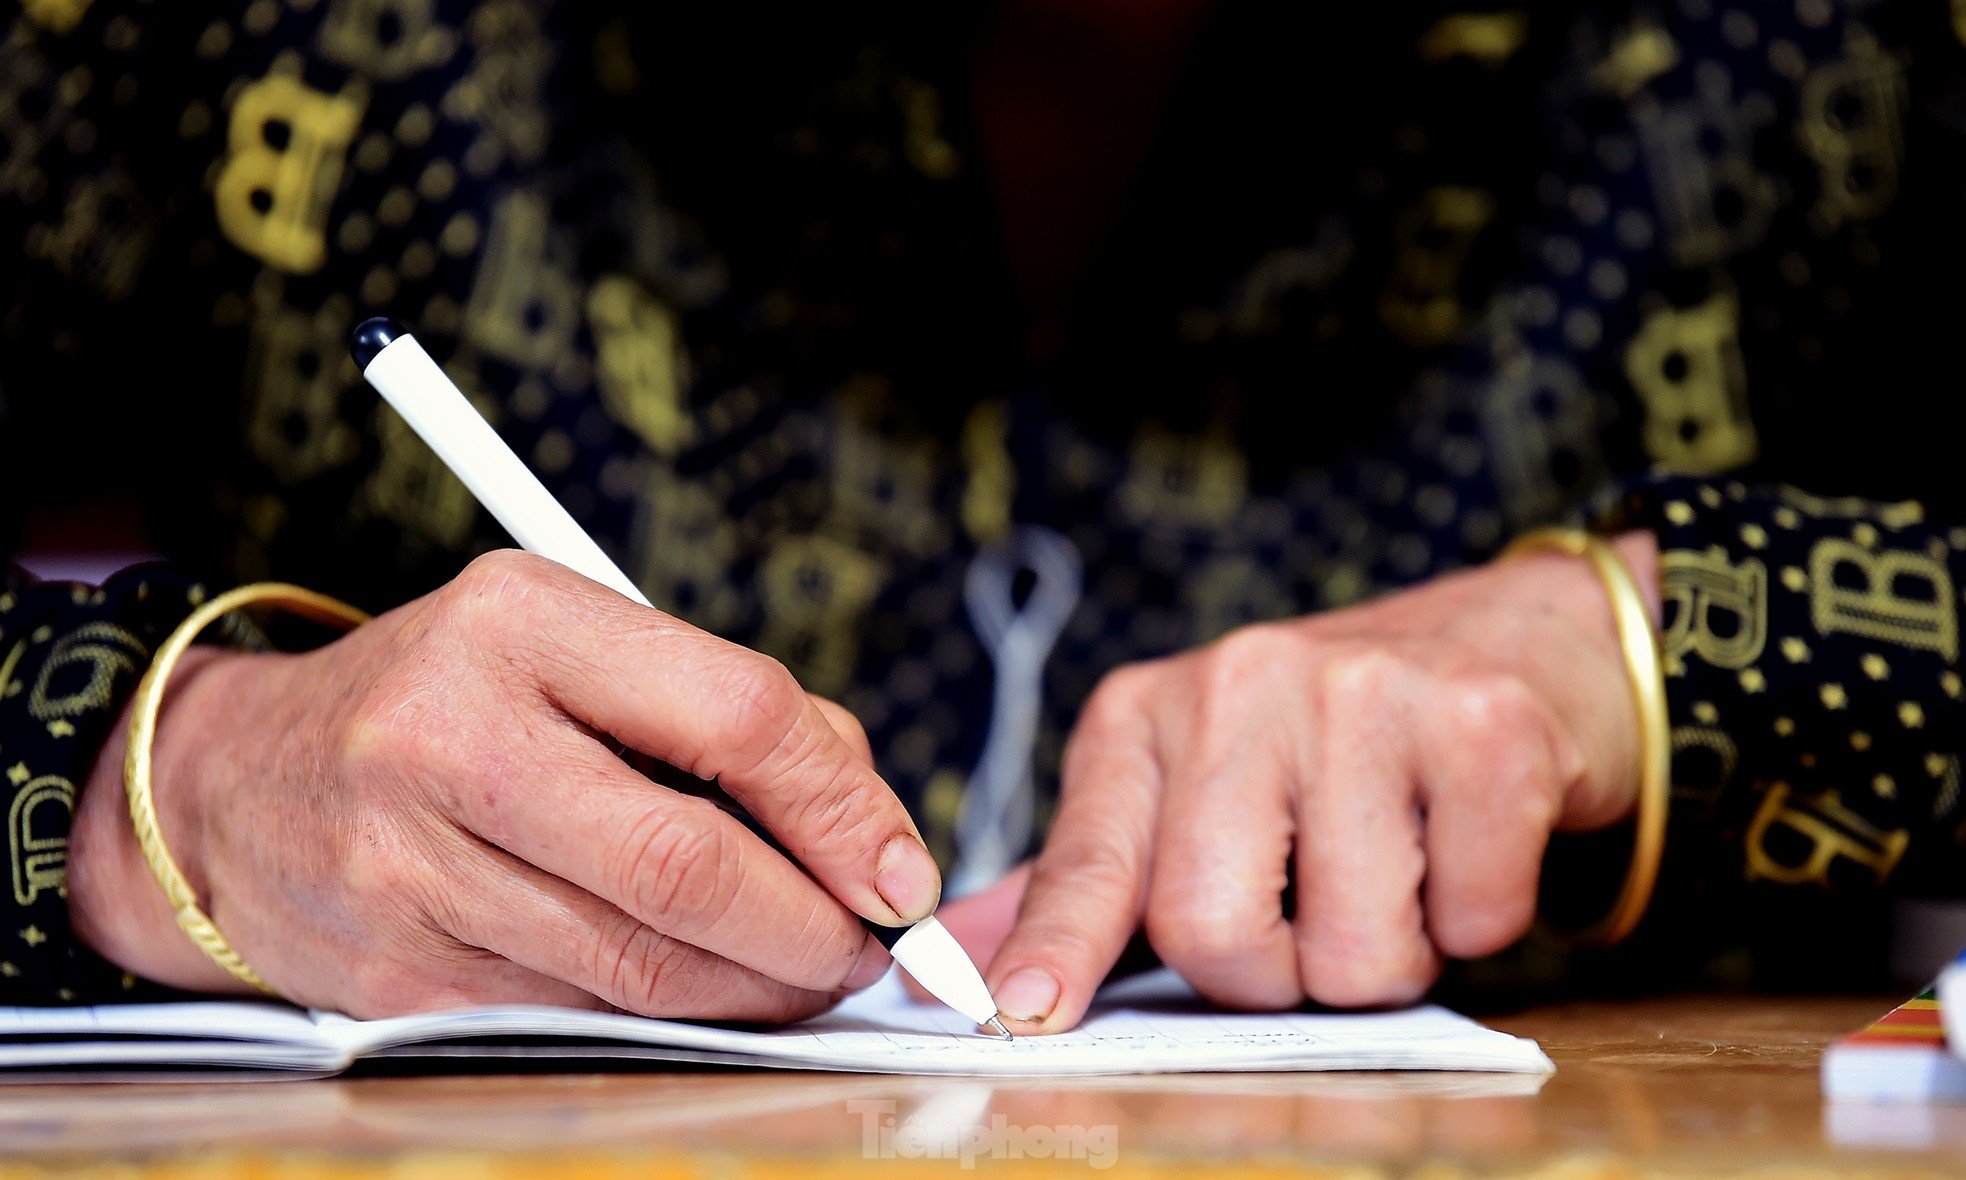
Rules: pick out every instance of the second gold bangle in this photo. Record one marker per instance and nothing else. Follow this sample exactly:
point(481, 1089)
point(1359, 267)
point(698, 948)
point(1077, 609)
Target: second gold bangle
point(1639, 642)
point(191, 917)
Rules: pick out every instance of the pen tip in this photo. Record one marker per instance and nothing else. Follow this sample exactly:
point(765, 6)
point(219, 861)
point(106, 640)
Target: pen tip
point(996, 1022)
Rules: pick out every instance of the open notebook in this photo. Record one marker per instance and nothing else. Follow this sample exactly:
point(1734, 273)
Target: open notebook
point(1149, 1024)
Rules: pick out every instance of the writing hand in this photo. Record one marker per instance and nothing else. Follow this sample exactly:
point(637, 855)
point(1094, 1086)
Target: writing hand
point(429, 812)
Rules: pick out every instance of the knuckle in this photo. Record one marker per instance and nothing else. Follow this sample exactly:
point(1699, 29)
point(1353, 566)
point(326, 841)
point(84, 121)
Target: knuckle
point(409, 735)
point(673, 868)
point(498, 572)
point(849, 728)
point(1251, 646)
point(373, 738)
point(832, 816)
point(1189, 937)
point(388, 725)
point(488, 580)
point(497, 596)
point(1120, 691)
point(1113, 705)
point(1504, 706)
point(1535, 807)
point(759, 702)
point(844, 722)
point(1363, 676)
point(1095, 864)
point(1509, 730)
point(1241, 657)
point(1126, 685)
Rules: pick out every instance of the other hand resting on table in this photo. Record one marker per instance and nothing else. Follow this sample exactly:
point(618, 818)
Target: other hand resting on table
point(1403, 762)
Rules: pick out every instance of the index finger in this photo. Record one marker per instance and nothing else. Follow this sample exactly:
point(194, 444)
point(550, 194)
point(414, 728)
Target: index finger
point(720, 711)
point(1088, 888)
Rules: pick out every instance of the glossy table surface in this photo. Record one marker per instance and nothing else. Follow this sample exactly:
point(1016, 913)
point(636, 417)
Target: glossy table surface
point(1685, 1085)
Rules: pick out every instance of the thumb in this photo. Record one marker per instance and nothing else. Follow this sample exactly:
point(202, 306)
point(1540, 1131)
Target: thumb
point(982, 920)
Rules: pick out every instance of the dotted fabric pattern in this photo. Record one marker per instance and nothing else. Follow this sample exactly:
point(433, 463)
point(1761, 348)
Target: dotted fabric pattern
point(70, 656)
point(1812, 664)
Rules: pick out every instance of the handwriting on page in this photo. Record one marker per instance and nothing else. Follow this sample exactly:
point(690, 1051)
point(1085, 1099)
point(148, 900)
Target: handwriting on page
point(1155, 1024)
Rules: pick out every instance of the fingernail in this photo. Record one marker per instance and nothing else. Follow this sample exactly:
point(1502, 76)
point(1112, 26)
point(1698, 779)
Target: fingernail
point(906, 878)
point(874, 962)
point(1028, 995)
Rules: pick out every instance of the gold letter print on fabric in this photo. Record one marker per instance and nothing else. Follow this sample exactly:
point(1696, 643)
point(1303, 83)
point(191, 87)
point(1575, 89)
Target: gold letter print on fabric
point(105, 649)
point(1725, 755)
point(643, 370)
point(1490, 38)
point(1639, 54)
point(1714, 609)
point(1712, 201)
point(283, 164)
point(385, 39)
point(1848, 121)
point(106, 232)
point(991, 476)
point(815, 592)
point(1183, 479)
point(682, 546)
point(1895, 595)
point(40, 861)
point(1830, 829)
point(1422, 300)
point(882, 480)
point(510, 58)
point(294, 385)
point(56, 16)
point(1541, 423)
point(524, 307)
point(1685, 366)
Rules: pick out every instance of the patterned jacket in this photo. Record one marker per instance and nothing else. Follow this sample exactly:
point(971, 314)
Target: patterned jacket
point(1394, 284)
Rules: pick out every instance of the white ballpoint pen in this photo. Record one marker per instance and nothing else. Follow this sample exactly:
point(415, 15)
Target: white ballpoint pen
point(392, 361)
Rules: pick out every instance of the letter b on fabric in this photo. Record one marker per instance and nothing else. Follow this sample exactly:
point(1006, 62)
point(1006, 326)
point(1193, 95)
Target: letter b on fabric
point(283, 164)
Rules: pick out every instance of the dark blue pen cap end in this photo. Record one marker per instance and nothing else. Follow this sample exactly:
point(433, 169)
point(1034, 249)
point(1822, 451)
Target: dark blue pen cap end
point(372, 336)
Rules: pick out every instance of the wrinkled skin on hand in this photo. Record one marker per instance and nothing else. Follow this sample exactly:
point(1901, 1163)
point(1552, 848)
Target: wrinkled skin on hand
point(1403, 762)
point(430, 812)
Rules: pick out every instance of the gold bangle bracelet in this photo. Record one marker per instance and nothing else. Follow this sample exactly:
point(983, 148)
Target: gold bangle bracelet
point(191, 917)
point(1639, 641)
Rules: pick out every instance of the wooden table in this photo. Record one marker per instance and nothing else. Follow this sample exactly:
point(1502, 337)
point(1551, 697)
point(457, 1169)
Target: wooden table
point(1693, 1086)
